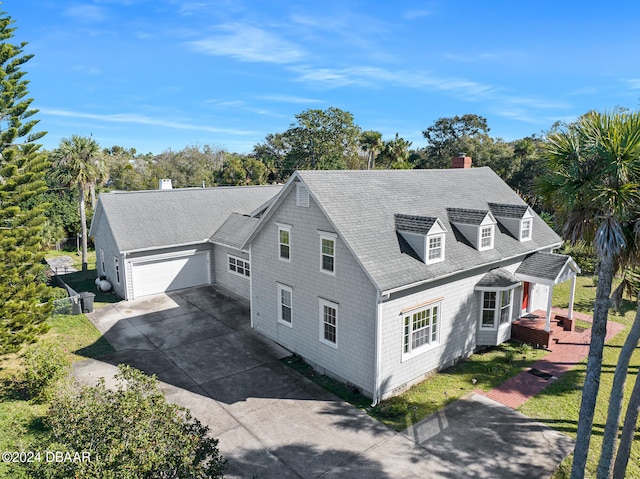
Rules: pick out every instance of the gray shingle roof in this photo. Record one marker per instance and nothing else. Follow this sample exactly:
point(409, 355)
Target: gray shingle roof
point(543, 265)
point(150, 219)
point(362, 206)
point(497, 278)
point(466, 216)
point(414, 223)
point(508, 211)
point(235, 231)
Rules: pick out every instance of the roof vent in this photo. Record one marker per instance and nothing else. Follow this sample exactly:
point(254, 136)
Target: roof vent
point(165, 184)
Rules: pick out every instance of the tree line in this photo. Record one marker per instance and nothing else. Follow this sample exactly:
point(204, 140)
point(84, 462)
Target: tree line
point(317, 139)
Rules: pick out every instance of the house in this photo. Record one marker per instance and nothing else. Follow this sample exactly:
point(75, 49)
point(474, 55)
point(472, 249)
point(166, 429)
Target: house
point(160, 240)
point(377, 278)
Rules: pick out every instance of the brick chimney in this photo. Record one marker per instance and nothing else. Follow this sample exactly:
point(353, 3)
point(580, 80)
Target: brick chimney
point(461, 161)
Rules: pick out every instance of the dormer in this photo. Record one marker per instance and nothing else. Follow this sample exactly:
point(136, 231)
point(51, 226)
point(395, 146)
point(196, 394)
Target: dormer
point(425, 234)
point(517, 219)
point(477, 226)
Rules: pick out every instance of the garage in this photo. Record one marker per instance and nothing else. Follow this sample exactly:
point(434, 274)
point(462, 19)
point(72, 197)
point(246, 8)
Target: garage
point(153, 275)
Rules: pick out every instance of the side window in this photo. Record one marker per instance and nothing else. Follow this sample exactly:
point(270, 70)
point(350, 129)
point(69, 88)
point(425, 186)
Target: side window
point(328, 252)
point(329, 323)
point(421, 329)
point(284, 242)
point(116, 264)
point(103, 269)
point(285, 305)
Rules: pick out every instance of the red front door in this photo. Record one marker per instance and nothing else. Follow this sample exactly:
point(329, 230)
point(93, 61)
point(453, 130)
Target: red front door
point(525, 296)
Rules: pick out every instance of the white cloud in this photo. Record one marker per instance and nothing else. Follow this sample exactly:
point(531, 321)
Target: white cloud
point(134, 118)
point(634, 83)
point(248, 43)
point(87, 13)
point(417, 13)
point(289, 99)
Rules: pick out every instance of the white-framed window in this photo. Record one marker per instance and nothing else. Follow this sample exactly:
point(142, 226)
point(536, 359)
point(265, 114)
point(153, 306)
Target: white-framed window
point(486, 237)
point(302, 195)
point(421, 330)
point(239, 266)
point(505, 306)
point(329, 323)
point(284, 242)
point(525, 230)
point(104, 271)
point(328, 252)
point(488, 310)
point(285, 305)
point(116, 264)
point(497, 308)
point(435, 249)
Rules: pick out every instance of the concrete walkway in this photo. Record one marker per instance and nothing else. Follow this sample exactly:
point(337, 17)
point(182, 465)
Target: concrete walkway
point(564, 355)
point(273, 423)
point(61, 264)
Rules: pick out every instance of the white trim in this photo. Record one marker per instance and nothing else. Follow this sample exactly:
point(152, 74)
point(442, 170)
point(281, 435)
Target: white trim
point(482, 228)
point(333, 238)
point(428, 248)
point(497, 309)
point(246, 266)
point(282, 287)
point(287, 228)
point(407, 330)
point(334, 306)
point(528, 221)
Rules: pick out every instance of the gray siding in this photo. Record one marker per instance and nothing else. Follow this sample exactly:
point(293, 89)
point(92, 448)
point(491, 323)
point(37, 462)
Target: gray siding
point(104, 240)
point(353, 360)
point(228, 279)
point(459, 332)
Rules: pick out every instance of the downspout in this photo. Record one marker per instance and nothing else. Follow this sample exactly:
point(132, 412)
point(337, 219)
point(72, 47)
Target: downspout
point(378, 356)
point(250, 290)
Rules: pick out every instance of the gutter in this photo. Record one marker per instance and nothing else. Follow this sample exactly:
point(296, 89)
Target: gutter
point(378, 355)
point(453, 273)
point(179, 245)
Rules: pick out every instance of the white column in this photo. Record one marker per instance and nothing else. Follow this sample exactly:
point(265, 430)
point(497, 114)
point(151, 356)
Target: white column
point(572, 296)
point(547, 326)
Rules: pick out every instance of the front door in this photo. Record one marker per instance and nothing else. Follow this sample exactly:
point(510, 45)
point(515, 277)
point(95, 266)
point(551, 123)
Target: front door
point(526, 286)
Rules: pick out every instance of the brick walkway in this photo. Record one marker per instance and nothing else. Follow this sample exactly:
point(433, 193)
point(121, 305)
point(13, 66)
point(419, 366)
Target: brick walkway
point(564, 355)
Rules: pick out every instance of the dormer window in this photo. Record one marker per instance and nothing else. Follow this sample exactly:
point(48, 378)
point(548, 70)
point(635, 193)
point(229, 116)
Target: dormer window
point(425, 235)
point(435, 249)
point(525, 230)
point(517, 219)
point(486, 238)
point(477, 226)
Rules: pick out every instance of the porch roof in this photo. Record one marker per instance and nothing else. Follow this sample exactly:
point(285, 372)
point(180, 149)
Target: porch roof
point(547, 268)
point(497, 279)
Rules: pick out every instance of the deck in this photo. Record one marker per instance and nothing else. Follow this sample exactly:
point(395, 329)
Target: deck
point(530, 328)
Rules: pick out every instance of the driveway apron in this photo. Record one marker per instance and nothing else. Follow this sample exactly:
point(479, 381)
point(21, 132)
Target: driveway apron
point(273, 423)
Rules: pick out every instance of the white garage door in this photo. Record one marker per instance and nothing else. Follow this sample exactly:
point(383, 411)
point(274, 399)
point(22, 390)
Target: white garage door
point(156, 275)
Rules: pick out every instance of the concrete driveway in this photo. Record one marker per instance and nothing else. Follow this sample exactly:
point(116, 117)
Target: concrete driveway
point(273, 423)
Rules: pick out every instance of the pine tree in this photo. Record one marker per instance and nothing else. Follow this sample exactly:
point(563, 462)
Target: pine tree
point(22, 168)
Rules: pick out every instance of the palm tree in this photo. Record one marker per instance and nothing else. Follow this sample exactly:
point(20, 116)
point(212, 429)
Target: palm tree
point(593, 187)
point(79, 163)
point(371, 143)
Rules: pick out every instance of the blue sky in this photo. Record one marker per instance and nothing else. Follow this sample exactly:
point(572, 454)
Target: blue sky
point(160, 74)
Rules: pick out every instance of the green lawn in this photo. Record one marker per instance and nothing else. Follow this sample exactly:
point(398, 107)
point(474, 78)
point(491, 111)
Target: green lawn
point(20, 419)
point(559, 404)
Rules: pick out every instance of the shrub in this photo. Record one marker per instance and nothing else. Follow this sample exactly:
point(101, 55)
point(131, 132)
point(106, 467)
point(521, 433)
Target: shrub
point(45, 364)
point(129, 432)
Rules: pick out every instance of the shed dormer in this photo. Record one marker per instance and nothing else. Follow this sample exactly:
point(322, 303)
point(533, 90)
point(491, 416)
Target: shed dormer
point(517, 219)
point(477, 226)
point(424, 234)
